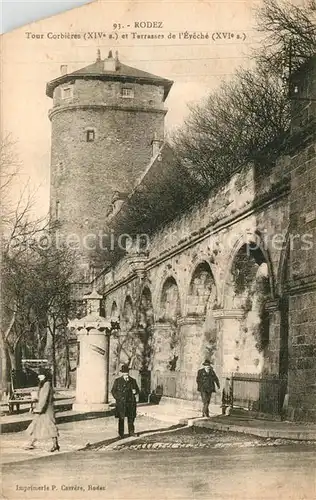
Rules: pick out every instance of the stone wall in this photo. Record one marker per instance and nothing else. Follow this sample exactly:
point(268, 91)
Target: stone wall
point(212, 233)
point(302, 287)
point(259, 230)
point(301, 271)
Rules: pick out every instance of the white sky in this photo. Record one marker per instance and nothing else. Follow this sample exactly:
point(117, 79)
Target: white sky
point(196, 66)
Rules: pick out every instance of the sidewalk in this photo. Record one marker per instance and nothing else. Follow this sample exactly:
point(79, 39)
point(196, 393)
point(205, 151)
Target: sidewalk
point(80, 431)
point(17, 422)
point(178, 411)
point(262, 428)
point(74, 436)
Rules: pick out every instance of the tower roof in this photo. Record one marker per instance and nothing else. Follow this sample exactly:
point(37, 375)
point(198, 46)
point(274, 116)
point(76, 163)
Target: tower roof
point(117, 71)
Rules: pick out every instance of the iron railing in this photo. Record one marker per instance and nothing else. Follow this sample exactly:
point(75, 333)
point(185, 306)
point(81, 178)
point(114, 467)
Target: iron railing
point(257, 393)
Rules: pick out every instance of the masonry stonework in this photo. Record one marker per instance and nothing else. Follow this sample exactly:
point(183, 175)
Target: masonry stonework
point(231, 279)
point(85, 174)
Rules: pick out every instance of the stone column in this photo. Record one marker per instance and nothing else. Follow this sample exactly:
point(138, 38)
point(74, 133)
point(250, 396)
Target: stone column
point(276, 331)
point(93, 333)
point(228, 327)
point(162, 351)
point(92, 371)
point(191, 355)
point(161, 355)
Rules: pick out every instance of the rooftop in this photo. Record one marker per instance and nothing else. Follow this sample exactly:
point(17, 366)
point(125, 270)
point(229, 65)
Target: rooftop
point(110, 69)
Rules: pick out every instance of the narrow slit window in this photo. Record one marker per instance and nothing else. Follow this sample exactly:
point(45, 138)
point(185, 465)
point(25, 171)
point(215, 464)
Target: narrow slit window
point(90, 135)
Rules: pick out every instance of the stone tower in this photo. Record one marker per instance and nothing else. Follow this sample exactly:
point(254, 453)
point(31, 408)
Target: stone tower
point(107, 119)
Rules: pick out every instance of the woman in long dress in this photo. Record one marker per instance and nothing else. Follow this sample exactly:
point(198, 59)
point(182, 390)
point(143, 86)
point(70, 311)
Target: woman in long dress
point(43, 425)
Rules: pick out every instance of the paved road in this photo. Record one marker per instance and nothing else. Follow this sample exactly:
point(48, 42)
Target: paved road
point(263, 473)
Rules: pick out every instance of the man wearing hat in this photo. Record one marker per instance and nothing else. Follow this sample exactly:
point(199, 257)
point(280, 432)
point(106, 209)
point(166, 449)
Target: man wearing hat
point(124, 391)
point(206, 380)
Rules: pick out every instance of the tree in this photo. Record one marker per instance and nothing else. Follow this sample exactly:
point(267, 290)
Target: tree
point(17, 314)
point(37, 285)
point(234, 127)
point(36, 274)
point(247, 120)
point(286, 27)
point(9, 170)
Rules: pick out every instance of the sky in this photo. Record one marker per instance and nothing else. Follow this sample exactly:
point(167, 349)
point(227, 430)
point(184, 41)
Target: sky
point(197, 66)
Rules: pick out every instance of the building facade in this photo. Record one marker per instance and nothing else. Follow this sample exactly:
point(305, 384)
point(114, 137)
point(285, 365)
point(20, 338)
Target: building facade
point(106, 120)
point(231, 279)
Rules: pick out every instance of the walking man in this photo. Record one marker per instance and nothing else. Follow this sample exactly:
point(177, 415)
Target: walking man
point(206, 380)
point(124, 391)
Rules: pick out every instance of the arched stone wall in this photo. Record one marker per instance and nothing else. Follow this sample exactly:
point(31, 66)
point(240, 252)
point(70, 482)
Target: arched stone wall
point(245, 336)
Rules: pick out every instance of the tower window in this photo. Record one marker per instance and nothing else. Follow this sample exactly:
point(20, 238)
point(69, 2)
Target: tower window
point(66, 92)
point(128, 93)
point(90, 135)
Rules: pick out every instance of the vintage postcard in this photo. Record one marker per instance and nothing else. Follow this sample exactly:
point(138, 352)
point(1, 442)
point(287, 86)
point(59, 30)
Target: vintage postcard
point(158, 271)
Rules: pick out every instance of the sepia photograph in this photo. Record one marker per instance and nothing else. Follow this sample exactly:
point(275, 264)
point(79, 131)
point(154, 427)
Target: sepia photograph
point(158, 250)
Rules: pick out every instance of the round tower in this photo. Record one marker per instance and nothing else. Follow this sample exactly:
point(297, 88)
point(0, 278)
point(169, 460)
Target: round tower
point(105, 120)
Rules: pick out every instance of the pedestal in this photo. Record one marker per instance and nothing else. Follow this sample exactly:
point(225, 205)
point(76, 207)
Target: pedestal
point(92, 371)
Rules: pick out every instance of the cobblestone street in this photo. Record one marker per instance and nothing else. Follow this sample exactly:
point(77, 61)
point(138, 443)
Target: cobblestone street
point(195, 438)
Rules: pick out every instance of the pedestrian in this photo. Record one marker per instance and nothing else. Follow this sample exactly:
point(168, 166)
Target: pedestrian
point(43, 425)
point(206, 380)
point(124, 391)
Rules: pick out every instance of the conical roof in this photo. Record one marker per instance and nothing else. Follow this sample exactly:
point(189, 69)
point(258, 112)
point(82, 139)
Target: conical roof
point(119, 72)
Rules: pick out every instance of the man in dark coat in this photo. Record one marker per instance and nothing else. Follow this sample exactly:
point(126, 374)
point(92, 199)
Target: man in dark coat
point(206, 380)
point(124, 391)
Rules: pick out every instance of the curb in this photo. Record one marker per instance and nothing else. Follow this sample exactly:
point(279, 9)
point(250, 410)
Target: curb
point(22, 425)
point(110, 444)
point(266, 433)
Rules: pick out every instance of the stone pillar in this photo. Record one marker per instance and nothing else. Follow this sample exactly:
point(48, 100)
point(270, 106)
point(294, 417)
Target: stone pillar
point(162, 350)
point(92, 371)
point(277, 343)
point(191, 355)
point(93, 333)
point(228, 327)
point(162, 354)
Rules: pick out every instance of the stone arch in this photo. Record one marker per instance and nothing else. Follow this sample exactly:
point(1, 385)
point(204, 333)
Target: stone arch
point(125, 345)
point(146, 310)
point(145, 332)
point(169, 314)
point(103, 307)
point(114, 313)
point(169, 301)
point(201, 289)
point(161, 277)
point(254, 242)
point(246, 290)
point(128, 314)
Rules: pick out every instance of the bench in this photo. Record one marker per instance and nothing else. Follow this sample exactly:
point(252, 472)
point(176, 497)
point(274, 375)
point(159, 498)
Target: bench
point(22, 396)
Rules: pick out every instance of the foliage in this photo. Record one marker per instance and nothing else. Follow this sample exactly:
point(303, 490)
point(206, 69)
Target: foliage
point(135, 341)
point(234, 126)
point(286, 26)
point(35, 286)
point(243, 271)
point(247, 120)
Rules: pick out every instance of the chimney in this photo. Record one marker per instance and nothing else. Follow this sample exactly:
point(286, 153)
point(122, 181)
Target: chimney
point(156, 145)
point(109, 63)
point(63, 69)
